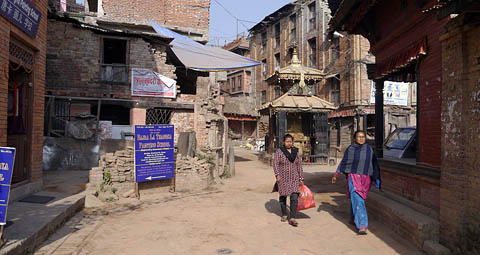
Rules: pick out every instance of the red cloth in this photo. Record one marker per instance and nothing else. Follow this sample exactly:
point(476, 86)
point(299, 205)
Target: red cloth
point(402, 59)
point(290, 173)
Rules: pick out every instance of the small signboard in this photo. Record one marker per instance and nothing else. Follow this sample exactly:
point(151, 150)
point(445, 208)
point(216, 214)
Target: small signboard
point(23, 14)
point(154, 153)
point(394, 93)
point(7, 158)
point(146, 82)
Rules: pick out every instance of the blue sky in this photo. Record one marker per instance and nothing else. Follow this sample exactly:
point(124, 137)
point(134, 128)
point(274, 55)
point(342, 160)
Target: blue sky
point(223, 27)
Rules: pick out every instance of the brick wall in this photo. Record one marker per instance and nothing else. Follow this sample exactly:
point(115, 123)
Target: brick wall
point(460, 180)
point(38, 44)
point(184, 15)
point(74, 62)
point(183, 121)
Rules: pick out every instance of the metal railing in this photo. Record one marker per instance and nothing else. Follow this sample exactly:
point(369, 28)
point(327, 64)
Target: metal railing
point(114, 73)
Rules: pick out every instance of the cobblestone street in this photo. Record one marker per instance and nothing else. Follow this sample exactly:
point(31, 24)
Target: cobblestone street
point(238, 216)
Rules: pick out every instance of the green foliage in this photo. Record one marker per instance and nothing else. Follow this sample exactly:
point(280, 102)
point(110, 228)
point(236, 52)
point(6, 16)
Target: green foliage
point(226, 173)
point(107, 178)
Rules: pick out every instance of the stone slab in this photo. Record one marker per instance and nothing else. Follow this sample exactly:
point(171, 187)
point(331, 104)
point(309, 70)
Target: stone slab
point(33, 223)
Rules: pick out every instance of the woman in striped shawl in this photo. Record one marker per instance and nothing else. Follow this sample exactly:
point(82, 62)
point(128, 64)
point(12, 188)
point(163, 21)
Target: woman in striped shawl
point(360, 166)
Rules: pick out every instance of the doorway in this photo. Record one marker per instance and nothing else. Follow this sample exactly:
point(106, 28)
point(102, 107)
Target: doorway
point(19, 119)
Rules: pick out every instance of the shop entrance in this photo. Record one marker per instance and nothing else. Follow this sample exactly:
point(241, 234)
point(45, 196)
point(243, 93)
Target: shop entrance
point(19, 120)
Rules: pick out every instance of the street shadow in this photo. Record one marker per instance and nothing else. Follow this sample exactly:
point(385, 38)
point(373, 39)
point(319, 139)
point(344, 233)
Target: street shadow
point(333, 199)
point(240, 159)
point(273, 206)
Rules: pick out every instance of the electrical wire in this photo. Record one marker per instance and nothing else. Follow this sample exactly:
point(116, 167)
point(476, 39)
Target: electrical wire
point(231, 14)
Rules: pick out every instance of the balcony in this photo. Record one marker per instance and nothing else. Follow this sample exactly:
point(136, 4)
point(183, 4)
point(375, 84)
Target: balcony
point(114, 73)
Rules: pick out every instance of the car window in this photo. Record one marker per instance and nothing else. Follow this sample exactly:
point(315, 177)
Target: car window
point(399, 139)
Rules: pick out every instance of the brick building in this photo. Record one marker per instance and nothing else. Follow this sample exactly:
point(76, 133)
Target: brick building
point(343, 59)
point(425, 44)
point(92, 60)
point(22, 82)
point(238, 90)
point(191, 17)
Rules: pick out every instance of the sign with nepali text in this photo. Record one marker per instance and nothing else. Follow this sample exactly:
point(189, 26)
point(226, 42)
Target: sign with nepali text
point(148, 83)
point(7, 158)
point(23, 14)
point(394, 93)
point(154, 153)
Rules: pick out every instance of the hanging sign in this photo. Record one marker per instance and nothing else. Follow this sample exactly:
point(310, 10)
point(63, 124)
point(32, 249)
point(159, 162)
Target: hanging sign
point(394, 93)
point(7, 158)
point(154, 153)
point(23, 14)
point(146, 82)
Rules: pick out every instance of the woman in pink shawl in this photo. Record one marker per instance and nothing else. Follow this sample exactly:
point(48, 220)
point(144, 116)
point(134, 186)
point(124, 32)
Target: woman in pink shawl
point(360, 166)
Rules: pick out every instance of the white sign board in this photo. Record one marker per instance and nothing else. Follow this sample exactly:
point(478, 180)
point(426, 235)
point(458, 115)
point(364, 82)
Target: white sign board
point(148, 83)
point(394, 93)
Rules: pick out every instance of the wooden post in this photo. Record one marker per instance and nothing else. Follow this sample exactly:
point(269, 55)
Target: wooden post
point(379, 119)
point(243, 130)
point(226, 141)
point(231, 159)
point(2, 240)
point(137, 191)
point(365, 126)
point(98, 118)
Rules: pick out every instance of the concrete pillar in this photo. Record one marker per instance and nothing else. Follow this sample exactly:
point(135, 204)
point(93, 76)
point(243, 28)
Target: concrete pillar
point(379, 122)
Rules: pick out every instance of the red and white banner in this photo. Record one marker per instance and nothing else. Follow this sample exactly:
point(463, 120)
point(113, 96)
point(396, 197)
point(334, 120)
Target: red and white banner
point(148, 83)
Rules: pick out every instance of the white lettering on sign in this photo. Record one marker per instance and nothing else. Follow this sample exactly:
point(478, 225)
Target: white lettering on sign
point(4, 166)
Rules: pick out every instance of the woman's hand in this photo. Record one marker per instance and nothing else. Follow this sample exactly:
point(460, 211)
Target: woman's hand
point(278, 178)
point(301, 183)
point(334, 179)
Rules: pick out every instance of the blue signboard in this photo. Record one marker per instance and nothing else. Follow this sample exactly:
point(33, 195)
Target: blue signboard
point(7, 157)
point(23, 14)
point(154, 155)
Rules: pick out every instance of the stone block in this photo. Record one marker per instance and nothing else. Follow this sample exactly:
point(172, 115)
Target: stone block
point(434, 248)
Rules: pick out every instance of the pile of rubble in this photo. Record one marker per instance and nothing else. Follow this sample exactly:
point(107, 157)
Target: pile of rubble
point(192, 173)
point(189, 164)
point(119, 166)
point(113, 176)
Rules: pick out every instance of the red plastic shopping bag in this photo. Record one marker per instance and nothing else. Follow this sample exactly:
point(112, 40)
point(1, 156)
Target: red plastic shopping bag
point(305, 199)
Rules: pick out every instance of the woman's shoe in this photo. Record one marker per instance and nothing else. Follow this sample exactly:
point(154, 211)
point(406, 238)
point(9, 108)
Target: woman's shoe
point(362, 231)
point(293, 222)
point(283, 218)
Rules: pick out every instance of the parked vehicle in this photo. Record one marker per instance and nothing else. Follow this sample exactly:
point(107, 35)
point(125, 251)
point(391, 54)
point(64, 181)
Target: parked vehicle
point(401, 144)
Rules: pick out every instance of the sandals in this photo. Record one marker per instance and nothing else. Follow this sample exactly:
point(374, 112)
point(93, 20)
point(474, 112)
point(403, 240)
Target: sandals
point(293, 222)
point(362, 231)
point(283, 218)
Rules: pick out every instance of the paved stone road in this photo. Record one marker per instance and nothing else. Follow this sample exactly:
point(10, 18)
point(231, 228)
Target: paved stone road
point(238, 216)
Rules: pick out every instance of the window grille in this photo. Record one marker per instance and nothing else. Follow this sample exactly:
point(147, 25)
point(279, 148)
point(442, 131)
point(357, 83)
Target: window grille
point(158, 116)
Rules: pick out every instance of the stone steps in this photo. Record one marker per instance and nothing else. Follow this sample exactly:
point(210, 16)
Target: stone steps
point(408, 223)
